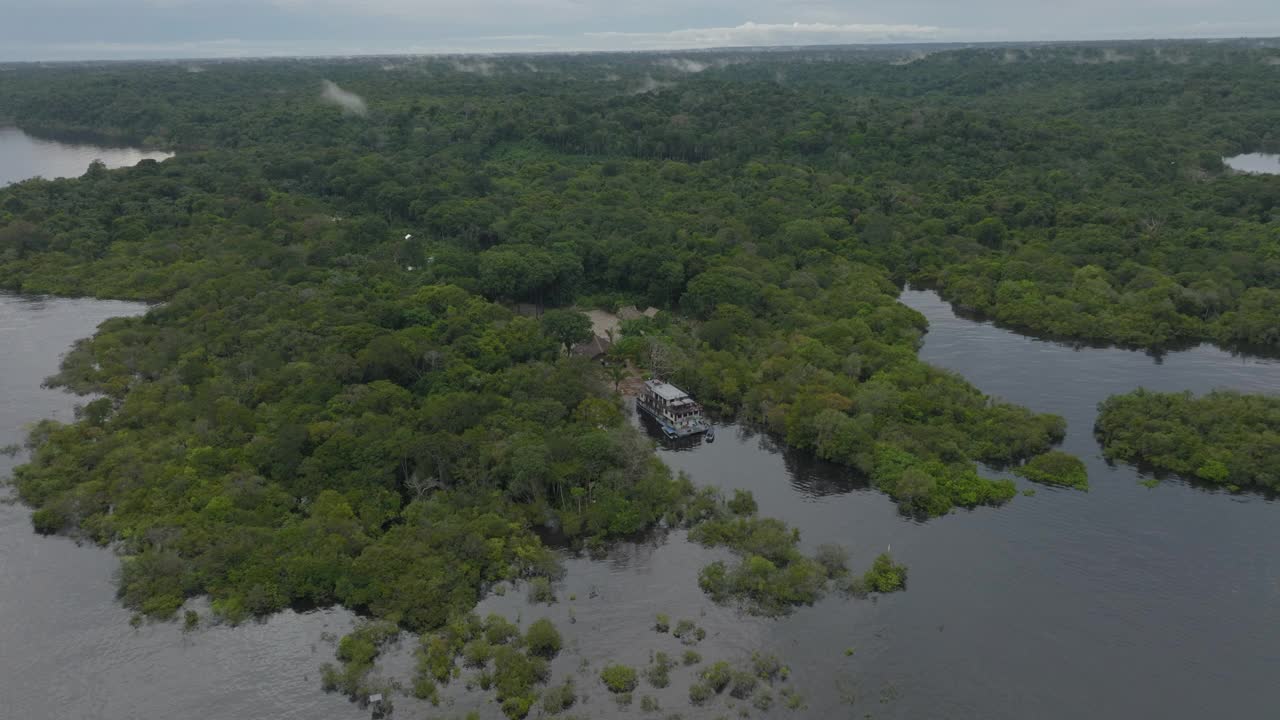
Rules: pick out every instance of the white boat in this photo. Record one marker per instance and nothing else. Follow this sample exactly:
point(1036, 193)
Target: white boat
point(672, 408)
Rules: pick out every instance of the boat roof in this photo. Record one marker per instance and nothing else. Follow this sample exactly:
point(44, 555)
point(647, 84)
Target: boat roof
point(666, 391)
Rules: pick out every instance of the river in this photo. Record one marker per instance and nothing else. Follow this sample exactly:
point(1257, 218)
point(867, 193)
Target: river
point(23, 156)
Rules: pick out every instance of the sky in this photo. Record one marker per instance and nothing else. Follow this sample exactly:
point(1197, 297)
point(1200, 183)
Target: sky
point(154, 29)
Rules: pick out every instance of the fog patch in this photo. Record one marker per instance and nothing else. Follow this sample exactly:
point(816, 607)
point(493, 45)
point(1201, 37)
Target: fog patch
point(350, 102)
point(1272, 61)
point(683, 65)
point(1109, 55)
point(649, 85)
point(914, 56)
point(1175, 58)
point(194, 69)
point(477, 67)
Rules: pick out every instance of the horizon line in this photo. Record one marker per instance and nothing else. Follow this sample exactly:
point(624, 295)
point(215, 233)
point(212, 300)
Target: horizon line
point(958, 44)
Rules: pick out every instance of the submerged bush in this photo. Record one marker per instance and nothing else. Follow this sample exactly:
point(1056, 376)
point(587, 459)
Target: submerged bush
point(663, 623)
point(885, 576)
point(619, 678)
point(559, 698)
point(543, 639)
point(742, 684)
point(658, 674)
point(717, 676)
point(700, 692)
point(540, 591)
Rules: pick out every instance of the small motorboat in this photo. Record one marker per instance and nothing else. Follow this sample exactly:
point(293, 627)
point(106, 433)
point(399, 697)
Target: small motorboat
point(710, 434)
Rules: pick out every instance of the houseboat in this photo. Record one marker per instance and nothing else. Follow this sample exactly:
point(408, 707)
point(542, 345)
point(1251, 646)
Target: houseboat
point(672, 408)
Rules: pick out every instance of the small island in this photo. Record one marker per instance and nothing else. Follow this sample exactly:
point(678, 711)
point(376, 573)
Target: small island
point(1225, 438)
point(1056, 468)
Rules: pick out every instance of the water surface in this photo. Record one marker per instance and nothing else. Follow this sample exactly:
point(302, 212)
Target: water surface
point(1258, 163)
point(23, 156)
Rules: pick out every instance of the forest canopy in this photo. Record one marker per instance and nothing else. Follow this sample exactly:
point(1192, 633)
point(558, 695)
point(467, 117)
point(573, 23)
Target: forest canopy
point(1222, 438)
point(339, 399)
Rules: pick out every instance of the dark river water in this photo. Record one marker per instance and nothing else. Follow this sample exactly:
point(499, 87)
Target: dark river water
point(1126, 601)
point(23, 157)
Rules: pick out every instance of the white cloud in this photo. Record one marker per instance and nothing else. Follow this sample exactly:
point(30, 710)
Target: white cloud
point(684, 64)
point(752, 33)
point(348, 101)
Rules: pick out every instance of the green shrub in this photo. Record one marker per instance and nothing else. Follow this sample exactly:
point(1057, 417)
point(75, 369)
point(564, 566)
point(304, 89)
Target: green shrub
point(1056, 468)
point(743, 503)
point(885, 576)
point(742, 684)
point(658, 675)
point(559, 698)
point(619, 678)
point(477, 653)
point(691, 657)
point(663, 623)
point(515, 674)
point(543, 639)
point(498, 630)
point(700, 693)
point(833, 559)
point(718, 676)
point(424, 688)
point(540, 591)
point(48, 520)
point(518, 707)
point(793, 700)
point(767, 667)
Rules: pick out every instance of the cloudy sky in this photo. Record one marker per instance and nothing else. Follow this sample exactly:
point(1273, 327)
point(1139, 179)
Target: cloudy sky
point(112, 29)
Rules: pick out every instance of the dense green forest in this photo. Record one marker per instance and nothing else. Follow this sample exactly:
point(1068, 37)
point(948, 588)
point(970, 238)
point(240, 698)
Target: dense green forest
point(336, 403)
point(1224, 438)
